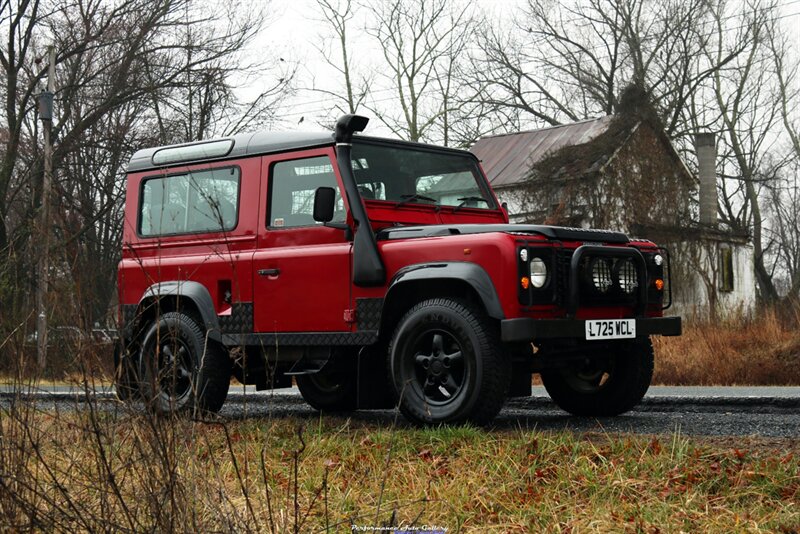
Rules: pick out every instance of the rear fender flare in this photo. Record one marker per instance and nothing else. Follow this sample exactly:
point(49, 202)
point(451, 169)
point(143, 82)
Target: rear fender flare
point(194, 292)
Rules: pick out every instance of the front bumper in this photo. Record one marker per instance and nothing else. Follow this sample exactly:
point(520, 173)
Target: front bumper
point(527, 329)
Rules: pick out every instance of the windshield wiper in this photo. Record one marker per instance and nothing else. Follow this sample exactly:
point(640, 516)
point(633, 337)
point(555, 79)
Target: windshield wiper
point(414, 198)
point(464, 200)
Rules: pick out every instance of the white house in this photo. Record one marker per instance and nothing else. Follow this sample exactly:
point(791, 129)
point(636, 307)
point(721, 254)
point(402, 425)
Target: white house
point(622, 172)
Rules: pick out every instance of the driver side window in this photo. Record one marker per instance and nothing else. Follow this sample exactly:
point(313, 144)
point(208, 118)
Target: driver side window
point(292, 188)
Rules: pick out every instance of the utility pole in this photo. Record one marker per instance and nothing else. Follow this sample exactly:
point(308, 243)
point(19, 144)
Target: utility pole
point(46, 116)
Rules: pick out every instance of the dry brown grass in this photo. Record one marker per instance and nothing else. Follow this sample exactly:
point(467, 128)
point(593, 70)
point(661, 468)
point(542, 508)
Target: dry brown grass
point(763, 350)
point(122, 471)
point(99, 466)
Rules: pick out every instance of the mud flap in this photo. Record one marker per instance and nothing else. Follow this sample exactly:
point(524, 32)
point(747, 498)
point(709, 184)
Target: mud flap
point(374, 389)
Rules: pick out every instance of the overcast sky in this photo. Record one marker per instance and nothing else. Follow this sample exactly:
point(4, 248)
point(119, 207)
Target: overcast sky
point(295, 31)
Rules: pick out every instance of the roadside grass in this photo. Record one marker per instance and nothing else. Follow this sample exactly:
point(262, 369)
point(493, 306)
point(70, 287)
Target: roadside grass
point(762, 350)
point(759, 350)
point(122, 470)
point(67, 363)
point(87, 468)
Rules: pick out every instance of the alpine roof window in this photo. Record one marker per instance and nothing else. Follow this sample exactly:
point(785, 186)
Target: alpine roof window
point(190, 203)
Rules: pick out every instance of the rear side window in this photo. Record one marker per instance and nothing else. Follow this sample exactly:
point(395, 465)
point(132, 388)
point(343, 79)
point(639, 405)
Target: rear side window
point(293, 186)
point(195, 202)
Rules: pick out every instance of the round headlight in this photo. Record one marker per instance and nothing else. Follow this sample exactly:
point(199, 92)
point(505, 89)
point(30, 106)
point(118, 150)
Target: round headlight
point(627, 276)
point(538, 273)
point(601, 275)
point(658, 259)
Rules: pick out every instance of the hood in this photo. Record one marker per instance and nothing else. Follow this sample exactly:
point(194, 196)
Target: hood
point(552, 232)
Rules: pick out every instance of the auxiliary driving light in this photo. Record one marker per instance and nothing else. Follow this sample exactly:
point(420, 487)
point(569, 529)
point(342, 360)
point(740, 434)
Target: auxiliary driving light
point(658, 259)
point(538, 273)
point(627, 277)
point(523, 254)
point(601, 275)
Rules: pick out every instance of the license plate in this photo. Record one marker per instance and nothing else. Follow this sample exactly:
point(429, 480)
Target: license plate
point(611, 329)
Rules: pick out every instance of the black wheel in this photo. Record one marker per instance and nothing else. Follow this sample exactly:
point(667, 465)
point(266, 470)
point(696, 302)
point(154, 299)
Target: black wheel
point(445, 364)
point(179, 370)
point(333, 388)
point(126, 378)
point(603, 385)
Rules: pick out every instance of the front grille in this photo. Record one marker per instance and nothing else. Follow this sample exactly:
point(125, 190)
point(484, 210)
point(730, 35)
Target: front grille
point(606, 276)
point(564, 257)
point(621, 272)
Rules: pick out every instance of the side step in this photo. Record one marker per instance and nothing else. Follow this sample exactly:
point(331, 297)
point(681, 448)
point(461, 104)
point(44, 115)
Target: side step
point(306, 367)
point(312, 362)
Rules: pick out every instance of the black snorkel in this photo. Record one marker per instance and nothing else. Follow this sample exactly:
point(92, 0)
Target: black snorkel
point(368, 269)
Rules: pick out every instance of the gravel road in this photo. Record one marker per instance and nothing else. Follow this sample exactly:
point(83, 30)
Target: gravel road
point(765, 412)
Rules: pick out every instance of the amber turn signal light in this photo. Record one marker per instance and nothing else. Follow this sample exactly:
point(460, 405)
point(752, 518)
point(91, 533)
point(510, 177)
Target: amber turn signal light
point(525, 282)
point(659, 283)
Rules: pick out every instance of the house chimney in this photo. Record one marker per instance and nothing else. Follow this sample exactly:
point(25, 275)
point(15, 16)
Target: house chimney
point(706, 149)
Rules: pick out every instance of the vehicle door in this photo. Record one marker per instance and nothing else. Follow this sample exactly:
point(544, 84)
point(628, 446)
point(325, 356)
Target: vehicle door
point(302, 280)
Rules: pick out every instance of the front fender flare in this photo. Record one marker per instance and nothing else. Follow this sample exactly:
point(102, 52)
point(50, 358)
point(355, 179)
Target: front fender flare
point(471, 273)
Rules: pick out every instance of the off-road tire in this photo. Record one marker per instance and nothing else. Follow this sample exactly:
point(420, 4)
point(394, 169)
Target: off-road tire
point(482, 373)
point(334, 387)
point(629, 372)
point(201, 380)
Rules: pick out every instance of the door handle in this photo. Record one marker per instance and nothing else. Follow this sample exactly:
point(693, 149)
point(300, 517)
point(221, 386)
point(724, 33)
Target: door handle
point(269, 272)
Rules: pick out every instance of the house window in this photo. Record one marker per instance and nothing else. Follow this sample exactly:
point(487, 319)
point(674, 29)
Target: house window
point(725, 269)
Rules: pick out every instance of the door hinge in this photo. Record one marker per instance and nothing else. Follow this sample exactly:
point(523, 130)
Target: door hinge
point(349, 315)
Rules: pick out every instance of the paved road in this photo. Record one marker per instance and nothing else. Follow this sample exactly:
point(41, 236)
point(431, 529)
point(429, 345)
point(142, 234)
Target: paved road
point(717, 411)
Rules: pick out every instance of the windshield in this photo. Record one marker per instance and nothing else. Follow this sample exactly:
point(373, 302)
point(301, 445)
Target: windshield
point(407, 175)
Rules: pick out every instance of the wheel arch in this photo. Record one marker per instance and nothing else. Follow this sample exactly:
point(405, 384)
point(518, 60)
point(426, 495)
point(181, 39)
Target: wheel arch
point(415, 283)
point(182, 296)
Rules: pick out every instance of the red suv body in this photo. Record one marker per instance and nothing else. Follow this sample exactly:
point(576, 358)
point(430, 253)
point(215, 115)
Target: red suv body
point(374, 272)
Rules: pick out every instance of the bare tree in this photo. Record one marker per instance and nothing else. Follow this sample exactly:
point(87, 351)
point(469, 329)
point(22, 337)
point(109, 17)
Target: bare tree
point(784, 205)
point(570, 61)
point(125, 73)
point(88, 211)
point(783, 212)
point(205, 102)
point(422, 42)
point(706, 66)
point(747, 106)
point(338, 15)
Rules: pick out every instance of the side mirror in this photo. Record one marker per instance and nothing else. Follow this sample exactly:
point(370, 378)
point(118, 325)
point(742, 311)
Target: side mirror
point(324, 202)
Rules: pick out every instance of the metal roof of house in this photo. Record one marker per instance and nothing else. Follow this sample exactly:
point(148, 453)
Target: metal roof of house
point(507, 159)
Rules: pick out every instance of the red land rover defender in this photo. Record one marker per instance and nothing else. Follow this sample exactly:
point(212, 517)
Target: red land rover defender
point(376, 273)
